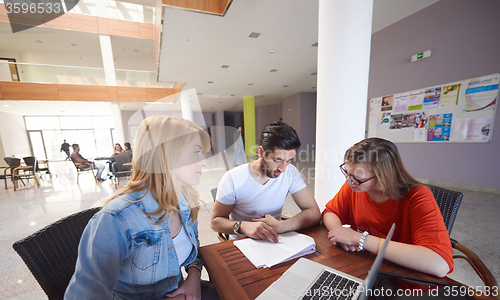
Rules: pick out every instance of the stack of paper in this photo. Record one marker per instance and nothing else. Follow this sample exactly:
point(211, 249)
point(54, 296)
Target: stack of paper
point(266, 253)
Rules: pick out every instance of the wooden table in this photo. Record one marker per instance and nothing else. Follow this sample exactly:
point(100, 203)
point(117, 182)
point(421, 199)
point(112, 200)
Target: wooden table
point(235, 277)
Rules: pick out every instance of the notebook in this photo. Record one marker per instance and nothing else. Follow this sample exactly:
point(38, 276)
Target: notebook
point(307, 279)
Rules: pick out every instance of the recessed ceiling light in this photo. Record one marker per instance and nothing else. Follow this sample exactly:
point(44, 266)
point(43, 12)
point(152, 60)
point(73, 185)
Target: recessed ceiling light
point(254, 35)
point(225, 66)
point(73, 44)
point(314, 73)
point(285, 86)
point(135, 50)
point(199, 94)
point(38, 41)
point(6, 105)
point(250, 84)
point(210, 82)
point(273, 70)
point(220, 101)
point(315, 44)
point(232, 95)
point(211, 107)
point(313, 87)
point(262, 96)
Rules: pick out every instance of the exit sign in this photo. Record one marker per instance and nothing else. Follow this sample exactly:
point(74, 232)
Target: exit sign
point(421, 55)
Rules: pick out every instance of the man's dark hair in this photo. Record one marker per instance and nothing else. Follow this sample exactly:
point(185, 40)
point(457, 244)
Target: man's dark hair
point(74, 146)
point(238, 126)
point(279, 135)
point(127, 144)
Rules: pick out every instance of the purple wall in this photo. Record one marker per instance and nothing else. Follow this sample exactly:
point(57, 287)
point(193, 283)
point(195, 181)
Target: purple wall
point(463, 38)
point(308, 121)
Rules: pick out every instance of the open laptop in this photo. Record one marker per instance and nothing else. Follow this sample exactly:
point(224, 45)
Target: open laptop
point(306, 279)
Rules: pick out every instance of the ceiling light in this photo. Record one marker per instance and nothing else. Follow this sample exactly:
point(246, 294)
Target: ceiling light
point(285, 86)
point(73, 44)
point(225, 66)
point(210, 82)
point(254, 35)
point(250, 84)
point(220, 101)
point(6, 105)
point(314, 73)
point(232, 95)
point(315, 44)
point(199, 94)
point(313, 87)
point(262, 96)
point(38, 41)
point(135, 50)
point(273, 70)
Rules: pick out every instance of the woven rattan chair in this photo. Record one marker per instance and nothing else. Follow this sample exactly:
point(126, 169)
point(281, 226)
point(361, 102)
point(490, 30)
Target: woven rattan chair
point(449, 203)
point(83, 168)
point(51, 252)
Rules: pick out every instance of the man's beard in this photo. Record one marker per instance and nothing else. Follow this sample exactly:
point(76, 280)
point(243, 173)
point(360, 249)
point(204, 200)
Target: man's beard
point(265, 168)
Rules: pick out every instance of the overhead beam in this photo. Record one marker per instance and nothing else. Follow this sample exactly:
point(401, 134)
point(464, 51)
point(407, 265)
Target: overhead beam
point(216, 7)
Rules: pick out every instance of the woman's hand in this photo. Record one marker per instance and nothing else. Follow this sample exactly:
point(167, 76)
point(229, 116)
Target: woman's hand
point(190, 289)
point(347, 238)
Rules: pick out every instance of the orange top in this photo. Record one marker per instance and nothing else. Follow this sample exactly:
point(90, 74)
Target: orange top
point(417, 217)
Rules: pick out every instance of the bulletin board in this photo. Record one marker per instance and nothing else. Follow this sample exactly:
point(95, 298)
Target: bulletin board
point(460, 112)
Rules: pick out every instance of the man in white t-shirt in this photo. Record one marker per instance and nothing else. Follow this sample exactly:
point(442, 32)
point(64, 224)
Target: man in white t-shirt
point(250, 197)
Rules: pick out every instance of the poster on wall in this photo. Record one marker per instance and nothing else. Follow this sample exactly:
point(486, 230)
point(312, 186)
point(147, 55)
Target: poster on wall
point(481, 93)
point(432, 98)
point(439, 127)
point(387, 103)
point(450, 95)
point(401, 103)
point(479, 129)
point(385, 118)
point(416, 100)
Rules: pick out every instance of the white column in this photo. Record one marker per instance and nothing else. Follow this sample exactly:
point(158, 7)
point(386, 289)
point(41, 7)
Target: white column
point(187, 111)
point(107, 60)
point(118, 135)
point(344, 37)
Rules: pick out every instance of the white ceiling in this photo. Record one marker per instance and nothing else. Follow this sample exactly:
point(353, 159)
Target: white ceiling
point(196, 45)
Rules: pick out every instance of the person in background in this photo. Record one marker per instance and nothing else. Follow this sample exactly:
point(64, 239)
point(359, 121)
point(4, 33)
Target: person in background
point(117, 150)
point(128, 150)
point(78, 158)
point(250, 197)
point(378, 192)
point(65, 148)
point(239, 148)
point(135, 246)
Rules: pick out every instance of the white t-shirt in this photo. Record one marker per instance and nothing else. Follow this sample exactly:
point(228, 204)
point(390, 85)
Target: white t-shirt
point(250, 198)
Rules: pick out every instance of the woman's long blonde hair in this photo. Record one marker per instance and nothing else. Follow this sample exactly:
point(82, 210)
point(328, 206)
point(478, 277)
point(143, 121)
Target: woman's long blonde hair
point(159, 142)
point(383, 156)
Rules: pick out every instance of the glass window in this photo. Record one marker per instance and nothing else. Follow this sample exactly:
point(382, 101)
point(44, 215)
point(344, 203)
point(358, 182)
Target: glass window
point(37, 144)
point(53, 140)
point(76, 122)
point(40, 123)
point(104, 142)
point(102, 122)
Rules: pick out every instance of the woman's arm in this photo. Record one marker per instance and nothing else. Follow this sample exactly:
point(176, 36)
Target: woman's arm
point(414, 257)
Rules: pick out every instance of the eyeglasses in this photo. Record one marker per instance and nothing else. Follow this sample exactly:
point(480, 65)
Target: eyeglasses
point(354, 179)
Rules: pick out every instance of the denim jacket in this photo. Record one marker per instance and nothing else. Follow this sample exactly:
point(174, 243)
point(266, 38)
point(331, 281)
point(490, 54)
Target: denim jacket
point(123, 255)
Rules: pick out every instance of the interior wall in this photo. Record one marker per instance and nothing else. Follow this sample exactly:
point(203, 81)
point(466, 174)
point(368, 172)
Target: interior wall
point(291, 112)
point(264, 115)
point(308, 122)
point(462, 36)
point(14, 136)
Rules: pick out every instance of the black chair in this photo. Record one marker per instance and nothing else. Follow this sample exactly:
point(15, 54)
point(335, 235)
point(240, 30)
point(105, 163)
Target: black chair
point(119, 170)
point(44, 169)
point(28, 172)
point(83, 168)
point(449, 203)
point(12, 164)
point(51, 252)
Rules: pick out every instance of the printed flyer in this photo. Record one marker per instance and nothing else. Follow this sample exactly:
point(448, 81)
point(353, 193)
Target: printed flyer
point(401, 103)
point(387, 103)
point(450, 95)
point(432, 98)
point(439, 127)
point(416, 100)
point(481, 93)
point(479, 129)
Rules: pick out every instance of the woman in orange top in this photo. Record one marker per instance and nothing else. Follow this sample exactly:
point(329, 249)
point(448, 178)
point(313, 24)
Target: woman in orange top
point(378, 192)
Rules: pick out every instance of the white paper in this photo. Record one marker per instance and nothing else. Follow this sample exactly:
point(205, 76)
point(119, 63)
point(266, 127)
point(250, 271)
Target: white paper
point(266, 253)
point(420, 135)
point(479, 129)
point(459, 130)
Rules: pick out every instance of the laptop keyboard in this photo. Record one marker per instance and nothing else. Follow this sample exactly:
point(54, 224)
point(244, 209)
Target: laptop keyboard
point(331, 286)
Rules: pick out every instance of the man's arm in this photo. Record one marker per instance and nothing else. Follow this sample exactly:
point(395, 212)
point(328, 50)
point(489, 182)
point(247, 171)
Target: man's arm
point(256, 230)
point(309, 216)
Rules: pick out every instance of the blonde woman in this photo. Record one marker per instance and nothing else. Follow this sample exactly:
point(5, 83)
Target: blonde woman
point(135, 246)
point(378, 192)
